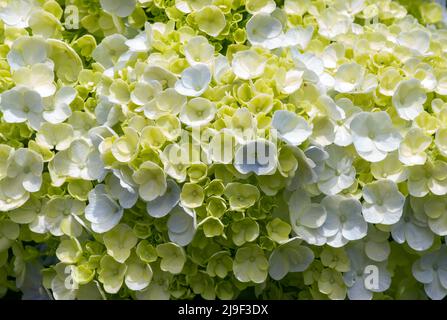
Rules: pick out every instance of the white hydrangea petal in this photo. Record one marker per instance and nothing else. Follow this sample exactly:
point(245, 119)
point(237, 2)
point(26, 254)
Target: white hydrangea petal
point(435, 290)
point(162, 205)
point(248, 64)
point(263, 27)
point(418, 238)
point(181, 227)
point(194, 81)
point(291, 127)
point(359, 292)
point(314, 216)
point(258, 156)
point(377, 251)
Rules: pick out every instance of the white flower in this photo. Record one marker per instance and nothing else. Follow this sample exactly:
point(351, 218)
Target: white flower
point(121, 8)
point(349, 7)
point(80, 161)
point(257, 156)
point(337, 172)
point(57, 108)
point(107, 113)
point(181, 226)
point(332, 54)
point(103, 212)
point(289, 81)
point(441, 87)
point(125, 193)
point(290, 256)
point(12, 194)
point(198, 112)
point(167, 102)
point(340, 113)
point(194, 80)
point(349, 77)
point(221, 68)
point(313, 68)
point(248, 64)
point(344, 221)
point(59, 216)
point(413, 229)
point(332, 23)
point(265, 30)
point(298, 36)
point(412, 147)
point(142, 41)
point(431, 270)
point(158, 73)
point(21, 104)
point(198, 50)
point(307, 218)
point(310, 163)
point(110, 50)
point(409, 99)
point(161, 206)
point(356, 278)
point(27, 51)
point(416, 40)
point(373, 135)
point(335, 111)
point(17, 13)
point(38, 77)
point(26, 166)
point(383, 202)
point(291, 128)
point(144, 92)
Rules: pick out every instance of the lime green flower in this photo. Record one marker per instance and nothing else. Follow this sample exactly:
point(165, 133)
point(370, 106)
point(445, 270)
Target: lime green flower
point(335, 258)
point(245, 230)
point(69, 251)
point(241, 196)
point(220, 264)
point(210, 20)
point(138, 274)
point(172, 256)
point(250, 264)
point(212, 227)
point(111, 274)
point(192, 195)
point(119, 242)
point(289, 257)
point(216, 206)
point(278, 230)
point(9, 231)
point(331, 283)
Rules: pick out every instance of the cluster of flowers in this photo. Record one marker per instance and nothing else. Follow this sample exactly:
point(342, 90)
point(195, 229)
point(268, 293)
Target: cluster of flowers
point(130, 149)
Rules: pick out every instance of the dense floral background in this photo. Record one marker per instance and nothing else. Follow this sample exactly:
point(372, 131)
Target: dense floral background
point(131, 134)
